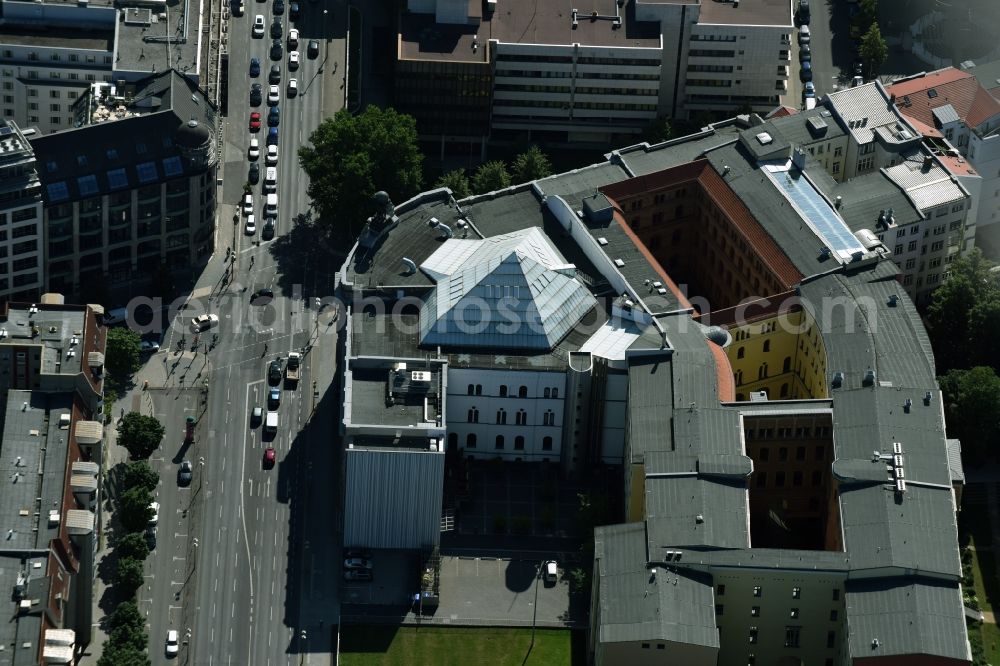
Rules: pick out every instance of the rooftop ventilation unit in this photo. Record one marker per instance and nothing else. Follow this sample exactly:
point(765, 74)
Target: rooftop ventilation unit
point(420, 376)
point(764, 138)
point(893, 300)
point(927, 398)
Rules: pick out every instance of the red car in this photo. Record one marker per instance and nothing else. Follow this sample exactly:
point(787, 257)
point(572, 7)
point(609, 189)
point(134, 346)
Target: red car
point(268, 458)
point(254, 121)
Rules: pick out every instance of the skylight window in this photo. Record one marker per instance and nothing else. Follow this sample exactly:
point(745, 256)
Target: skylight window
point(58, 191)
point(932, 93)
point(117, 179)
point(147, 172)
point(87, 185)
point(172, 167)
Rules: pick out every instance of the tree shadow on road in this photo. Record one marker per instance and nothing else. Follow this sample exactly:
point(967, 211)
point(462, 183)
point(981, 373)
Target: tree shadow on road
point(306, 255)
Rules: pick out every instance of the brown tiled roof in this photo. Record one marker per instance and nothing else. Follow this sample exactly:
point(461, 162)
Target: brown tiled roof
point(781, 112)
point(951, 86)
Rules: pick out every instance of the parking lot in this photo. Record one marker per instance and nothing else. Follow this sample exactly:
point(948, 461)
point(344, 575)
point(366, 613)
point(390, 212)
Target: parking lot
point(832, 51)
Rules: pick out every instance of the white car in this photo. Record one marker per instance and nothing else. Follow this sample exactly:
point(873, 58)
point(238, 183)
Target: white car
point(273, 95)
point(251, 226)
point(254, 152)
point(293, 38)
point(155, 507)
point(258, 25)
point(172, 645)
point(248, 204)
point(293, 88)
point(293, 60)
point(204, 322)
point(272, 154)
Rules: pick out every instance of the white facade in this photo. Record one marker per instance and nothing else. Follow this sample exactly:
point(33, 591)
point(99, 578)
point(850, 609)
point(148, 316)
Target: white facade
point(21, 265)
point(506, 414)
point(983, 151)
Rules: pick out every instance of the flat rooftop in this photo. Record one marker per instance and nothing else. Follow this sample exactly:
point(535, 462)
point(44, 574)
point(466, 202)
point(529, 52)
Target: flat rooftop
point(371, 407)
point(526, 22)
point(59, 332)
point(59, 37)
point(749, 12)
point(143, 47)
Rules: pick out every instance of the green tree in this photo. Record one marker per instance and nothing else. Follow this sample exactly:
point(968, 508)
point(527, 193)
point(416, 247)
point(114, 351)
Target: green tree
point(873, 50)
point(972, 409)
point(127, 616)
point(129, 578)
point(869, 11)
point(984, 325)
point(457, 182)
point(531, 165)
point(140, 434)
point(134, 511)
point(122, 354)
point(659, 130)
point(351, 157)
point(110, 397)
point(963, 303)
point(490, 176)
point(138, 474)
point(133, 546)
point(113, 654)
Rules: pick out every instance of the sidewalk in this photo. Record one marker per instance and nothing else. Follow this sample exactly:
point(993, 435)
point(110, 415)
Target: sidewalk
point(156, 373)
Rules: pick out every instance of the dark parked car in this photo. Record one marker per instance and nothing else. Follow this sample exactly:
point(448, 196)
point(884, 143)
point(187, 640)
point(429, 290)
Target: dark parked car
point(274, 372)
point(277, 50)
point(184, 474)
point(806, 72)
point(277, 30)
point(254, 66)
point(293, 11)
point(803, 13)
point(275, 75)
point(268, 231)
point(272, 136)
point(255, 95)
point(254, 174)
point(274, 116)
point(313, 49)
point(279, 7)
point(805, 53)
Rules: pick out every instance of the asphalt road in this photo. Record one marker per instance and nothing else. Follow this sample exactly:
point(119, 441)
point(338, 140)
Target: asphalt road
point(831, 51)
point(240, 600)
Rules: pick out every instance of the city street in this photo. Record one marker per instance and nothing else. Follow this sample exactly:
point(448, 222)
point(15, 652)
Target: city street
point(231, 581)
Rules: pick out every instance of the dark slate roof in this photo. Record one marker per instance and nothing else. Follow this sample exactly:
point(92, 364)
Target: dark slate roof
point(906, 616)
point(121, 154)
point(637, 605)
point(650, 400)
point(862, 199)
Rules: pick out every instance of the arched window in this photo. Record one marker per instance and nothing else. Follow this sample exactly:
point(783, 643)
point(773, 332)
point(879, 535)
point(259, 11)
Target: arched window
point(473, 415)
point(784, 390)
point(546, 443)
point(472, 389)
point(549, 417)
point(503, 390)
point(452, 441)
point(738, 376)
point(787, 365)
point(499, 443)
point(519, 443)
point(470, 440)
point(762, 372)
point(555, 392)
point(522, 392)
point(521, 418)
point(767, 345)
point(547, 392)
point(740, 352)
point(479, 389)
point(501, 416)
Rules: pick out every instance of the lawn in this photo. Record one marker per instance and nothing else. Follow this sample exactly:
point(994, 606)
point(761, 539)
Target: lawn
point(976, 532)
point(402, 646)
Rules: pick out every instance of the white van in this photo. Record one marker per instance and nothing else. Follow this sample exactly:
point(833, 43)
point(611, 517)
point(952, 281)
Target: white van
point(551, 573)
point(271, 423)
point(271, 179)
point(271, 207)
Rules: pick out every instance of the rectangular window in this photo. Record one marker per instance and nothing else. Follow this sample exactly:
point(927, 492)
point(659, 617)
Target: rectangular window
point(866, 163)
point(755, 611)
point(757, 591)
point(796, 593)
point(898, 249)
point(836, 166)
point(720, 590)
point(912, 247)
point(718, 609)
point(937, 246)
point(792, 636)
point(837, 151)
point(831, 638)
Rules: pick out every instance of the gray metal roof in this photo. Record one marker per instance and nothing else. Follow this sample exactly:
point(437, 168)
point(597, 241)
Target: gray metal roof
point(650, 400)
point(945, 114)
point(637, 605)
point(955, 461)
point(863, 109)
point(928, 185)
point(643, 159)
point(863, 199)
point(906, 616)
point(796, 129)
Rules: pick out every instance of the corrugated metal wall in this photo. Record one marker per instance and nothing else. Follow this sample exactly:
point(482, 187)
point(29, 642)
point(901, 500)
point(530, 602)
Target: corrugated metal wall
point(393, 498)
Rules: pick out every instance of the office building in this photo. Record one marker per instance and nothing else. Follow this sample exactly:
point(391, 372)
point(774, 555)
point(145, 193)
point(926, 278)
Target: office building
point(132, 188)
point(21, 265)
point(714, 319)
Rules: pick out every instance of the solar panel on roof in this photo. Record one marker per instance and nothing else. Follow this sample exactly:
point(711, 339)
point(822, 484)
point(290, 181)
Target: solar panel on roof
point(817, 213)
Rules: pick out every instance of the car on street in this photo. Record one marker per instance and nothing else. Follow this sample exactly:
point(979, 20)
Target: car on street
point(274, 372)
point(809, 89)
point(357, 563)
point(804, 35)
point(272, 136)
point(253, 152)
point(806, 72)
point(313, 49)
point(262, 296)
point(250, 227)
point(293, 39)
point(172, 645)
point(184, 473)
point(254, 66)
point(550, 573)
point(256, 416)
point(272, 155)
point(276, 49)
point(239, 7)
point(273, 95)
point(269, 457)
point(293, 60)
point(151, 536)
point(149, 346)
point(805, 53)
point(277, 29)
point(274, 116)
point(275, 75)
point(253, 175)
point(273, 398)
point(254, 121)
point(358, 575)
point(155, 508)
point(258, 25)
point(204, 322)
point(293, 11)
point(267, 233)
point(255, 95)
point(248, 204)
point(293, 88)
point(278, 7)
point(803, 12)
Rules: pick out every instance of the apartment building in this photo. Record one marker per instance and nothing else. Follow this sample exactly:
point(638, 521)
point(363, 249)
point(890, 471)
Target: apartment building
point(132, 188)
point(51, 375)
point(598, 72)
point(21, 265)
point(51, 52)
point(952, 106)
